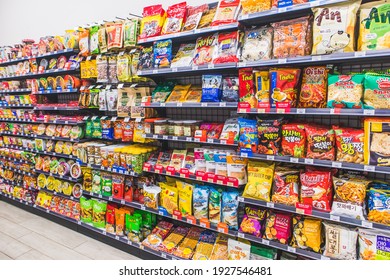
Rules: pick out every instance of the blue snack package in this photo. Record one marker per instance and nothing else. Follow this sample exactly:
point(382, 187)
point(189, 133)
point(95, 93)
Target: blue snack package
point(248, 139)
point(229, 208)
point(107, 129)
point(200, 201)
point(378, 203)
point(162, 53)
point(211, 88)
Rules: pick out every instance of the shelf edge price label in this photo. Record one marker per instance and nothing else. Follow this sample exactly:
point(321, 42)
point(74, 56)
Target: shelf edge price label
point(324, 258)
point(282, 60)
point(369, 168)
point(335, 218)
point(368, 112)
point(240, 235)
point(270, 205)
point(316, 58)
point(366, 224)
point(270, 157)
point(240, 199)
point(291, 249)
point(265, 242)
point(309, 160)
point(336, 164)
point(360, 54)
point(117, 237)
point(143, 207)
point(301, 111)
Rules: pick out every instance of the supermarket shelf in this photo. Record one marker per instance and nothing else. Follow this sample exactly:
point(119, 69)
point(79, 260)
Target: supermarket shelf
point(42, 121)
point(190, 69)
point(206, 178)
point(71, 197)
point(191, 105)
point(317, 111)
point(67, 178)
point(190, 35)
point(322, 163)
point(59, 138)
point(285, 12)
point(17, 120)
point(9, 182)
point(49, 54)
point(16, 170)
point(45, 73)
point(29, 106)
point(284, 247)
point(18, 148)
point(15, 91)
point(54, 108)
point(189, 139)
point(16, 160)
point(117, 170)
point(160, 213)
point(17, 134)
point(355, 57)
point(315, 213)
point(55, 154)
point(60, 91)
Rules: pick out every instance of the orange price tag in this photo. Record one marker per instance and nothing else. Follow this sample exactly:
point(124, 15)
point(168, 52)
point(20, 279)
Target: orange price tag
point(204, 223)
point(222, 227)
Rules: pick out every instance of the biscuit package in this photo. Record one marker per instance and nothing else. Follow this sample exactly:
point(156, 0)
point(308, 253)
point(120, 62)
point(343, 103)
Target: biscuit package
point(278, 227)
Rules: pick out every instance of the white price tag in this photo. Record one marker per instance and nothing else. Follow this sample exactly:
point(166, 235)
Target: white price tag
point(270, 157)
point(301, 111)
point(223, 141)
point(366, 224)
point(104, 232)
point(241, 199)
point(129, 242)
point(143, 207)
point(108, 86)
point(335, 218)
point(360, 54)
point(195, 67)
point(244, 155)
point(110, 198)
point(241, 64)
point(282, 60)
point(162, 104)
point(155, 71)
point(324, 258)
point(291, 249)
point(210, 66)
point(309, 160)
point(161, 213)
point(189, 139)
point(270, 205)
point(246, 16)
point(210, 140)
point(117, 237)
point(155, 136)
point(179, 104)
point(174, 138)
point(369, 168)
point(368, 112)
point(78, 222)
point(240, 235)
point(316, 58)
point(163, 255)
point(265, 242)
point(123, 201)
point(120, 86)
point(196, 140)
point(100, 196)
point(174, 69)
point(222, 104)
point(336, 164)
point(165, 137)
point(282, 10)
point(204, 105)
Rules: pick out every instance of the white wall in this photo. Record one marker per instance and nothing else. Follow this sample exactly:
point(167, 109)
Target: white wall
point(20, 19)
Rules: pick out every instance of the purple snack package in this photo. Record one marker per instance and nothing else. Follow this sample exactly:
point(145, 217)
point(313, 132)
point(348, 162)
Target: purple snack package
point(253, 221)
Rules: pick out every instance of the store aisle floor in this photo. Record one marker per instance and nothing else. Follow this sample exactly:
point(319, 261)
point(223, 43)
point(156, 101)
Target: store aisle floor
point(25, 236)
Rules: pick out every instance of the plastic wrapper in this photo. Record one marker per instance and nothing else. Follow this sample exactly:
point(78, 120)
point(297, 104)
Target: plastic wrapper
point(206, 49)
point(254, 6)
point(184, 56)
point(260, 177)
point(227, 48)
point(152, 21)
point(227, 12)
point(211, 88)
point(284, 86)
point(194, 14)
point(114, 32)
point(340, 242)
point(175, 17)
point(257, 44)
point(162, 53)
point(314, 87)
point(146, 59)
point(130, 32)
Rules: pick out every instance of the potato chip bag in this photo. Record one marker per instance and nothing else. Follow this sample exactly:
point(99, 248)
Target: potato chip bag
point(307, 233)
point(187, 247)
point(205, 246)
point(334, 28)
point(86, 209)
point(176, 15)
point(254, 6)
point(285, 189)
point(248, 139)
point(373, 245)
point(293, 140)
point(169, 197)
point(230, 208)
point(173, 239)
point(374, 31)
point(260, 175)
point(378, 208)
point(247, 87)
point(206, 49)
point(215, 205)
point(220, 249)
point(185, 197)
point(278, 227)
point(340, 242)
point(238, 249)
point(201, 201)
point(99, 213)
point(253, 221)
point(152, 21)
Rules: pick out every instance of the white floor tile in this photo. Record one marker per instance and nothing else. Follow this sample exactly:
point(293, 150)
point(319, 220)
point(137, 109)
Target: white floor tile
point(12, 247)
point(12, 229)
point(99, 251)
point(33, 255)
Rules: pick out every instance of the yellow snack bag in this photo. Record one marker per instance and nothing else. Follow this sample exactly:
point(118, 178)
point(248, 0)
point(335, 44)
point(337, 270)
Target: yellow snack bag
point(260, 177)
point(185, 197)
point(178, 93)
point(262, 86)
point(169, 197)
point(307, 233)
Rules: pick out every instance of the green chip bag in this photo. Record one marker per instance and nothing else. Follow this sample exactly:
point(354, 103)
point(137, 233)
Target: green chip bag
point(99, 213)
point(86, 210)
point(345, 91)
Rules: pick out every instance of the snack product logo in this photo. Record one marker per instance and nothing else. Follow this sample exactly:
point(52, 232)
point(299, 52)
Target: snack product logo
point(349, 147)
point(345, 81)
point(315, 71)
point(321, 143)
point(250, 211)
point(292, 136)
point(287, 77)
point(208, 41)
point(328, 15)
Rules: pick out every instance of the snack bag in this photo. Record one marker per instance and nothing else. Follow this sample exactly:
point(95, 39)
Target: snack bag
point(238, 250)
point(349, 197)
point(230, 89)
point(257, 44)
point(248, 140)
point(211, 88)
point(230, 208)
point(102, 39)
point(187, 247)
point(345, 91)
point(169, 197)
point(314, 87)
point(259, 252)
point(373, 245)
point(292, 37)
point(376, 91)
point(227, 12)
point(185, 198)
point(201, 202)
point(205, 49)
point(284, 87)
point(99, 213)
point(220, 249)
point(307, 233)
point(293, 140)
point(253, 221)
point(84, 42)
point(205, 245)
point(320, 142)
point(173, 239)
point(254, 6)
point(236, 168)
point(350, 144)
point(230, 130)
point(194, 14)
point(340, 242)
point(259, 184)
point(215, 205)
point(114, 35)
point(86, 209)
point(146, 59)
point(153, 18)
point(183, 56)
point(94, 40)
point(162, 53)
point(285, 188)
point(227, 48)
point(176, 15)
point(316, 189)
point(247, 87)
point(130, 32)
point(278, 227)
point(269, 134)
point(378, 208)
point(335, 34)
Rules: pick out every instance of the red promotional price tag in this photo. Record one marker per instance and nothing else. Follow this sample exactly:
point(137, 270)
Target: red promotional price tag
point(184, 172)
point(263, 108)
point(176, 215)
point(171, 170)
point(191, 220)
point(232, 182)
point(210, 177)
point(283, 107)
point(158, 168)
point(147, 166)
point(302, 208)
point(244, 107)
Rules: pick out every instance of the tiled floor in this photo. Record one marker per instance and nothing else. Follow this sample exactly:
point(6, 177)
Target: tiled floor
point(25, 236)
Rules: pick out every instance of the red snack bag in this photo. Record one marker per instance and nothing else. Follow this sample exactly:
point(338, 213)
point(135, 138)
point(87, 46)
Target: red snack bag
point(194, 14)
point(247, 87)
point(293, 140)
point(278, 227)
point(350, 144)
point(127, 130)
point(76, 211)
point(284, 86)
point(128, 189)
point(227, 48)
point(227, 11)
point(316, 189)
point(320, 142)
point(176, 15)
point(215, 131)
point(110, 218)
point(114, 32)
point(152, 21)
point(118, 186)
